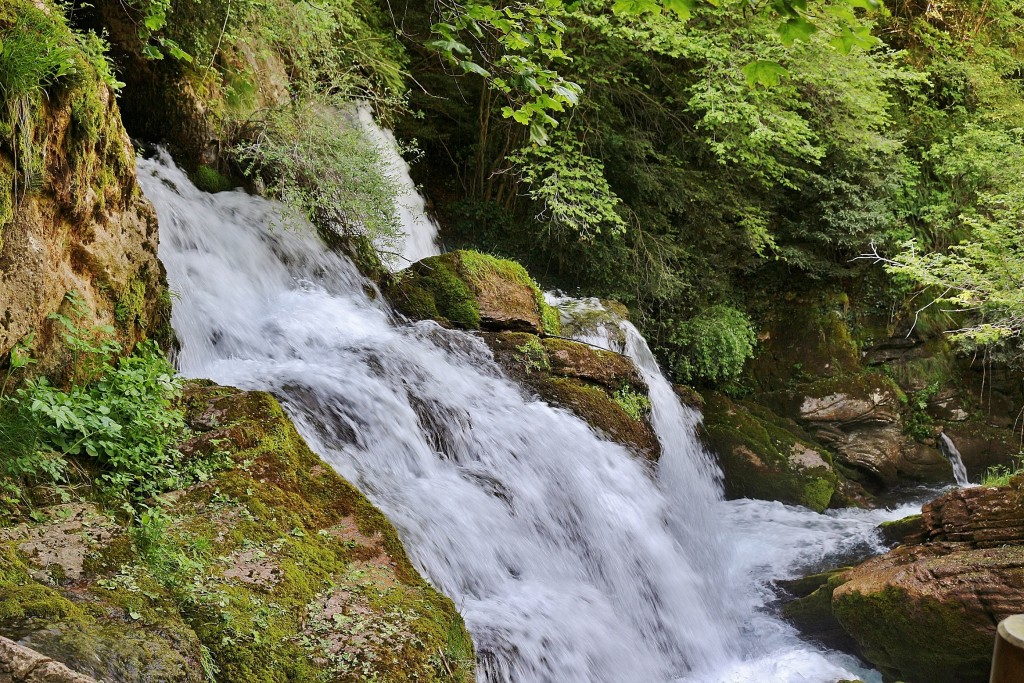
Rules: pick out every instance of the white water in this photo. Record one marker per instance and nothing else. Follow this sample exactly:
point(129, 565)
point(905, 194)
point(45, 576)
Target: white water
point(950, 450)
point(420, 229)
point(568, 558)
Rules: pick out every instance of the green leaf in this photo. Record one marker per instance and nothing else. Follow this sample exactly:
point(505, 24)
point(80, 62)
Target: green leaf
point(473, 67)
point(794, 29)
point(764, 72)
point(682, 8)
point(634, 7)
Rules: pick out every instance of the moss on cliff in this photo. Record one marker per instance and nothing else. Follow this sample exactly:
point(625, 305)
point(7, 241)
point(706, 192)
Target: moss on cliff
point(762, 458)
point(275, 569)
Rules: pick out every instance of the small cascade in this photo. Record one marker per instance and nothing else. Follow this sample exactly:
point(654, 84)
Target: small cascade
point(949, 450)
point(420, 229)
point(570, 560)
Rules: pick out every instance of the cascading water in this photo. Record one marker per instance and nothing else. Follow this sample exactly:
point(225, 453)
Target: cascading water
point(951, 452)
point(569, 559)
point(420, 229)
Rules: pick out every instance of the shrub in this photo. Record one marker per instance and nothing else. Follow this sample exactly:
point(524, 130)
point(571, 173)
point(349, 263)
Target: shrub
point(712, 346)
point(325, 170)
point(636, 405)
point(116, 414)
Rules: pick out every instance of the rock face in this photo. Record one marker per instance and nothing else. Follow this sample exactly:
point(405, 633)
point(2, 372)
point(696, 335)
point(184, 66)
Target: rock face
point(471, 290)
point(75, 220)
point(602, 387)
point(766, 457)
point(926, 612)
point(21, 665)
point(858, 418)
point(274, 569)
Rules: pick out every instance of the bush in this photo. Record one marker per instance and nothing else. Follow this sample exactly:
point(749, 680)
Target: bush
point(115, 415)
point(712, 347)
point(324, 168)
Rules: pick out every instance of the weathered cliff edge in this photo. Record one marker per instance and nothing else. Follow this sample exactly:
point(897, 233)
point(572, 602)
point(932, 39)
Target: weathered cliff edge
point(72, 217)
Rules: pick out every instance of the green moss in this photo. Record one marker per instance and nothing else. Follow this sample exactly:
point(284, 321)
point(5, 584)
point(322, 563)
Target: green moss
point(916, 638)
point(131, 303)
point(434, 289)
point(284, 502)
point(6, 196)
point(766, 458)
point(895, 531)
point(209, 179)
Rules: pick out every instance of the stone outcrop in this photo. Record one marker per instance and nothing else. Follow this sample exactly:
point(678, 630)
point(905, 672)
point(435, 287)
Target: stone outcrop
point(274, 568)
point(858, 418)
point(602, 387)
point(473, 291)
point(21, 665)
point(926, 611)
point(72, 218)
point(764, 456)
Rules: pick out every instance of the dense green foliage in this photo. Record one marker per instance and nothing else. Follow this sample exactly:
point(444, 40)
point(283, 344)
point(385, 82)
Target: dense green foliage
point(723, 160)
point(319, 163)
point(113, 421)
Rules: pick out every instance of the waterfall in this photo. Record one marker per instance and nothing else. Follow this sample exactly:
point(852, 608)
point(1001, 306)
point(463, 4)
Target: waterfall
point(570, 560)
point(949, 450)
point(420, 229)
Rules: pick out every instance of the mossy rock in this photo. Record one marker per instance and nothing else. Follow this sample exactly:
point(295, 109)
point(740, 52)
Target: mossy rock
point(803, 338)
point(918, 640)
point(811, 612)
point(473, 291)
point(907, 530)
point(764, 458)
point(607, 368)
point(274, 569)
point(588, 382)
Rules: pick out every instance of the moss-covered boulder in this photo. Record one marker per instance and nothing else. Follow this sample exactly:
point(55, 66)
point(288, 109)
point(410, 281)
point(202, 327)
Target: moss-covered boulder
point(926, 611)
point(906, 530)
point(811, 609)
point(766, 457)
point(273, 569)
point(602, 387)
point(72, 217)
point(473, 291)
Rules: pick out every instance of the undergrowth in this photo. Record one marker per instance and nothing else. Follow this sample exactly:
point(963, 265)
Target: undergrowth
point(111, 424)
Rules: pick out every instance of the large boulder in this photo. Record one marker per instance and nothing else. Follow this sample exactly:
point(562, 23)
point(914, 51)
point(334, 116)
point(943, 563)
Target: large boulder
point(473, 291)
point(766, 457)
point(601, 387)
point(273, 569)
point(926, 611)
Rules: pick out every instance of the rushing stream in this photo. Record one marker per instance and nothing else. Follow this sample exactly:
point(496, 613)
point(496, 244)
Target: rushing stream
point(570, 559)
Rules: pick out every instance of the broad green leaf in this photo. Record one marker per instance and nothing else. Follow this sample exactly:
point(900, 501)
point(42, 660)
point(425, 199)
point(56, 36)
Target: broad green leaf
point(682, 8)
point(473, 67)
point(635, 7)
point(764, 72)
point(794, 29)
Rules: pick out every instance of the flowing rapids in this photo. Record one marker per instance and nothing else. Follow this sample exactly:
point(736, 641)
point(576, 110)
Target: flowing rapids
point(570, 559)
